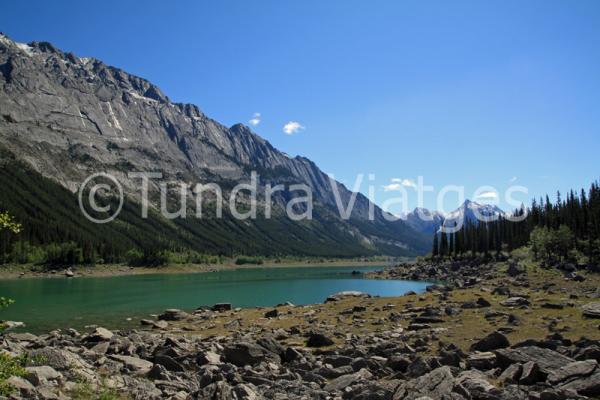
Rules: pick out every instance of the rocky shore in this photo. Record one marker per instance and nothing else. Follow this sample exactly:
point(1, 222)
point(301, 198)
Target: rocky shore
point(486, 331)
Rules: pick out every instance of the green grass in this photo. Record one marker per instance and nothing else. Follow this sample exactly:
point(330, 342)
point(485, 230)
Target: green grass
point(9, 366)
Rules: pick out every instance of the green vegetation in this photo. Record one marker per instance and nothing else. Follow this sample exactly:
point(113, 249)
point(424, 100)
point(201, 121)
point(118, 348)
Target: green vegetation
point(9, 366)
point(7, 222)
point(54, 232)
point(566, 230)
point(248, 260)
point(85, 391)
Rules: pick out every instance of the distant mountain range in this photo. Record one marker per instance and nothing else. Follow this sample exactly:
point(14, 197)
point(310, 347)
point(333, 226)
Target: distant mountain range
point(426, 221)
point(65, 117)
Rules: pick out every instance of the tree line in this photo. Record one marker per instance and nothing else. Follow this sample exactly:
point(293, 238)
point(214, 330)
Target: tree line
point(564, 229)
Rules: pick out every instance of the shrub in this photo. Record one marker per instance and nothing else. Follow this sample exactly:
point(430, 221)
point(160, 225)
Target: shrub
point(9, 366)
point(241, 260)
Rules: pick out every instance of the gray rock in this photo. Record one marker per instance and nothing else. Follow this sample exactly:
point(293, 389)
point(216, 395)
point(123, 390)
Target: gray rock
point(591, 310)
point(482, 361)
point(99, 335)
point(531, 374)
point(511, 374)
point(548, 360)
point(23, 386)
point(245, 353)
point(515, 270)
point(573, 370)
point(318, 339)
point(436, 385)
point(208, 357)
point(42, 375)
point(493, 341)
point(477, 385)
point(346, 294)
point(586, 386)
point(515, 302)
point(221, 307)
point(173, 314)
point(346, 380)
point(136, 365)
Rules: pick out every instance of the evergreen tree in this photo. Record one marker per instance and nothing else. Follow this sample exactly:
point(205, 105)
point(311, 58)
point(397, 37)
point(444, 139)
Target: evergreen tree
point(435, 251)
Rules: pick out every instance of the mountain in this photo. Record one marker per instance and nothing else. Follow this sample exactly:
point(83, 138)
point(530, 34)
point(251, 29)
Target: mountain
point(424, 220)
point(471, 212)
point(65, 117)
point(427, 221)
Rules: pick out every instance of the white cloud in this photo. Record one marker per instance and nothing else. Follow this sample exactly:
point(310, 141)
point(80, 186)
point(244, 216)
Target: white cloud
point(489, 195)
point(399, 184)
point(512, 180)
point(255, 119)
point(292, 127)
point(392, 186)
point(404, 182)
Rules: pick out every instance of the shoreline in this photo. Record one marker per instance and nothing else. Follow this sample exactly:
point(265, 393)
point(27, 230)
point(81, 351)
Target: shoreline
point(11, 272)
point(503, 328)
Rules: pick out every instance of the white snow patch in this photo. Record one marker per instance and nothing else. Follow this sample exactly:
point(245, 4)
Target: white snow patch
point(27, 49)
point(115, 123)
point(139, 96)
point(82, 119)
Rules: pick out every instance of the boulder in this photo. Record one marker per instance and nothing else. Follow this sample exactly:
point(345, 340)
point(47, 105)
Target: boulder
point(42, 375)
point(511, 374)
point(346, 294)
point(585, 386)
point(341, 382)
point(246, 353)
point(136, 365)
point(220, 307)
point(481, 302)
point(436, 384)
point(531, 374)
point(576, 369)
point(548, 360)
point(493, 341)
point(591, 310)
point(317, 339)
point(516, 302)
point(515, 270)
point(99, 335)
point(155, 324)
point(208, 357)
point(477, 385)
point(173, 314)
point(23, 386)
point(482, 361)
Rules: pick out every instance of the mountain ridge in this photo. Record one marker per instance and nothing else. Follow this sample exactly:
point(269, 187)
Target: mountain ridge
point(68, 117)
point(466, 212)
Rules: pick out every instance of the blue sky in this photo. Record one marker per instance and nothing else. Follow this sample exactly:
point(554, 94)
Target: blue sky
point(465, 92)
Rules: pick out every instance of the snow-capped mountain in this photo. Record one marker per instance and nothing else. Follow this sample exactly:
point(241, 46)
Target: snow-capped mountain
point(427, 221)
point(471, 212)
point(424, 220)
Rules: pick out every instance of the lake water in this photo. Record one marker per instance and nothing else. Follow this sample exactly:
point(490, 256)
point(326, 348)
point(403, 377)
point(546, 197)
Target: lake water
point(45, 304)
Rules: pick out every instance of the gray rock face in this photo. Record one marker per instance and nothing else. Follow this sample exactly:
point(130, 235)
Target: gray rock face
point(69, 117)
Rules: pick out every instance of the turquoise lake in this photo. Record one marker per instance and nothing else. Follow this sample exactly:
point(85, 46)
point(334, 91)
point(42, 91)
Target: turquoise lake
point(50, 303)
